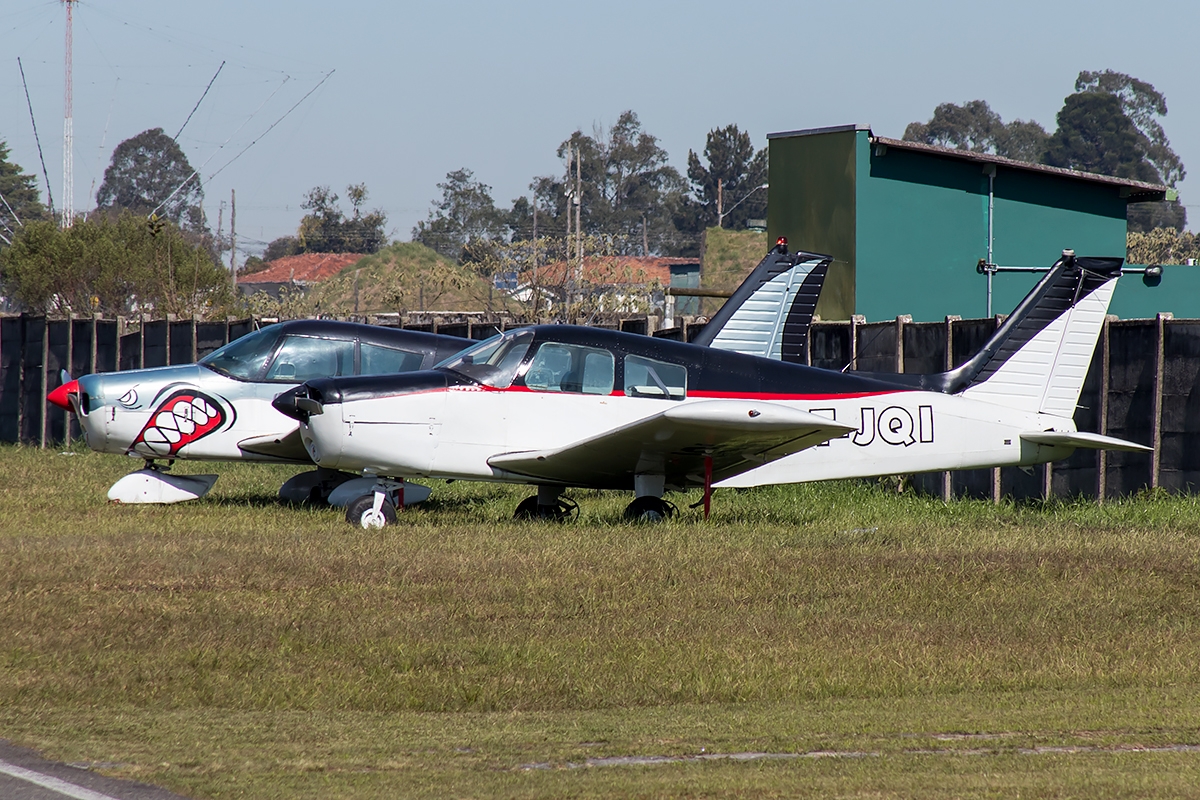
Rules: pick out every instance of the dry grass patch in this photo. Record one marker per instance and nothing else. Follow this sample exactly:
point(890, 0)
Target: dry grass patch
point(293, 655)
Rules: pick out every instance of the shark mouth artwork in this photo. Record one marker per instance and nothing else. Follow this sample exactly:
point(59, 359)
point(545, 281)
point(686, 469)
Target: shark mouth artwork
point(184, 417)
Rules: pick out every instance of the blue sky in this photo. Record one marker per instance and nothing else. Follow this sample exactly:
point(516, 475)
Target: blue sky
point(418, 90)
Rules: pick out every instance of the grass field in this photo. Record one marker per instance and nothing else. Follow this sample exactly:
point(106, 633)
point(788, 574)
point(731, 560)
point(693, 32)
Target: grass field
point(827, 640)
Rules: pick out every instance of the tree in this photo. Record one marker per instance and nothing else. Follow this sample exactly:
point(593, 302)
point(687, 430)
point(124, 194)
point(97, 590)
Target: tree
point(112, 264)
point(548, 289)
point(1109, 126)
point(1144, 106)
point(19, 201)
point(281, 247)
point(1095, 135)
point(327, 229)
point(1162, 246)
point(1022, 140)
point(150, 171)
point(976, 127)
point(629, 191)
point(727, 191)
point(465, 214)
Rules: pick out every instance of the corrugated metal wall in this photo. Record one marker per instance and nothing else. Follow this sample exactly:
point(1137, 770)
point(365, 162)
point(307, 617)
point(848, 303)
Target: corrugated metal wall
point(1144, 385)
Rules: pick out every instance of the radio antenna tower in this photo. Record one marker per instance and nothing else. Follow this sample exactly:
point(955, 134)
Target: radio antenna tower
point(68, 206)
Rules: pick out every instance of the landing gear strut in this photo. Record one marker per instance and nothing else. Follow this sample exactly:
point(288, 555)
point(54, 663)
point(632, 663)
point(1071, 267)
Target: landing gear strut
point(378, 509)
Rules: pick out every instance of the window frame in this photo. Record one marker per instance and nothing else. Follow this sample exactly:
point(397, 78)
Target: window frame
point(587, 350)
point(630, 389)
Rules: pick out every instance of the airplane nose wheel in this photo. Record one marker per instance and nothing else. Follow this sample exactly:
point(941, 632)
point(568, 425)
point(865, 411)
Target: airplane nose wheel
point(366, 513)
point(649, 509)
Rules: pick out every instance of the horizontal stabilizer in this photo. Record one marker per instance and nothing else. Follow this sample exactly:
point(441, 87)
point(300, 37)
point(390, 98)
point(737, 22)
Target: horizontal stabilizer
point(1087, 441)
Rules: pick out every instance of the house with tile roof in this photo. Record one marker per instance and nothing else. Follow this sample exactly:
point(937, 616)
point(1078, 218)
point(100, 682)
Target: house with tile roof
point(296, 272)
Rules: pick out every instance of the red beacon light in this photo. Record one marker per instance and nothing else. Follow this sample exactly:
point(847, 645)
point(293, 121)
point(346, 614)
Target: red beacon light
point(781, 245)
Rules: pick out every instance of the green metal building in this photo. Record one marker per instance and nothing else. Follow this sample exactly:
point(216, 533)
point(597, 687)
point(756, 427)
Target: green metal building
point(908, 224)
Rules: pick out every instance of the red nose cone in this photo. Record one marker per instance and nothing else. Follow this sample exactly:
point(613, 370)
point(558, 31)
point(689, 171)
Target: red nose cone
point(60, 396)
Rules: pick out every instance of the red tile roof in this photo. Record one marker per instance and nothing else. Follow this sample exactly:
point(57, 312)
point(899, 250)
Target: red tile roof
point(613, 270)
point(304, 268)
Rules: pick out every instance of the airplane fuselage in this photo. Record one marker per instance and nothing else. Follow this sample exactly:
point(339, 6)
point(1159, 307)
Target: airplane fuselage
point(187, 412)
point(443, 424)
point(219, 409)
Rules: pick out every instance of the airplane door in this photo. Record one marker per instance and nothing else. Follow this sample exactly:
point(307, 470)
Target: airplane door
point(567, 399)
point(400, 432)
point(474, 427)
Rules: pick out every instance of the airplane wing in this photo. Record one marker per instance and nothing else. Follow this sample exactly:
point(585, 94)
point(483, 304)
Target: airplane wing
point(277, 445)
point(1087, 441)
point(738, 434)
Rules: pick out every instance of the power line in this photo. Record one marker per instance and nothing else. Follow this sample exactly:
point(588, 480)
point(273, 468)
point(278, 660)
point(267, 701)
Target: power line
point(273, 124)
point(198, 102)
point(196, 171)
point(49, 196)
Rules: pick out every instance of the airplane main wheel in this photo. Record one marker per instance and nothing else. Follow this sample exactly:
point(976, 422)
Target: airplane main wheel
point(649, 509)
point(362, 513)
point(562, 510)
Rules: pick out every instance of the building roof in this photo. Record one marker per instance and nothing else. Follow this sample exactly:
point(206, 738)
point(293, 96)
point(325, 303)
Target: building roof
point(613, 270)
point(1135, 191)
point(304, 268)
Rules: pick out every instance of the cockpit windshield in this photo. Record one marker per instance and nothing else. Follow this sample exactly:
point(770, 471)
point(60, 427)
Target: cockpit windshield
point(245, 358)
point(492, 362)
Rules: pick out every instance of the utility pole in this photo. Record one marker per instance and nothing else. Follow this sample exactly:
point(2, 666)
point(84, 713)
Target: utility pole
point(220, 227)
point(720, 202)
point(233, 238)
point(570, 199)
point(578, 211)
point(569, 275)
point(68, 207)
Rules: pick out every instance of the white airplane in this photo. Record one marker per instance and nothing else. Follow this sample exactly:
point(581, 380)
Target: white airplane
point(563, 406)
point(219, 408)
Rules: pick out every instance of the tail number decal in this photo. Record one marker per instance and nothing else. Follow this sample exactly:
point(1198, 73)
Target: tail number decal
point(895, 426)
point(181, 419)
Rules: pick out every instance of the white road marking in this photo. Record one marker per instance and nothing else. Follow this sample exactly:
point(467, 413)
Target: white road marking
point(53, 784)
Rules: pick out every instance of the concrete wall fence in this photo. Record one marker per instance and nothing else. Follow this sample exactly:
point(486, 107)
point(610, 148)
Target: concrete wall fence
point(1144, 385)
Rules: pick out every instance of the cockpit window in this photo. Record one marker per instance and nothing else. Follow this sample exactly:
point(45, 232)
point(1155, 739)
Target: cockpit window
point(645, 377)
point(380, 360)
point(559, 367)
point(302, 358)
point(492, 362)
point(246, 357)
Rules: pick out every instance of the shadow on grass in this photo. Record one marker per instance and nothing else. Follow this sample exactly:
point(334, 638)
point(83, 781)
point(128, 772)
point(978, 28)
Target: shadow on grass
point(255, 501)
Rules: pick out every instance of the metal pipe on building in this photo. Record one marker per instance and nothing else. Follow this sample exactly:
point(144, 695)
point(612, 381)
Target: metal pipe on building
point(990, 171)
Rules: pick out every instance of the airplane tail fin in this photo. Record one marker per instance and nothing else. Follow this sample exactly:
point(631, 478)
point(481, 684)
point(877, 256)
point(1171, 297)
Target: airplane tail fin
point(769, 314)
point(1039, 357)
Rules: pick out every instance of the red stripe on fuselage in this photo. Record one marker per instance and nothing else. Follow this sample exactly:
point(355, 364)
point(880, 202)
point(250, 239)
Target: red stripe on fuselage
point(711, 395)
point(791, 395)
